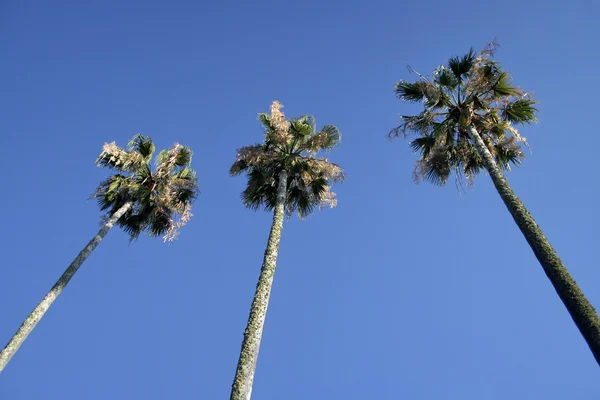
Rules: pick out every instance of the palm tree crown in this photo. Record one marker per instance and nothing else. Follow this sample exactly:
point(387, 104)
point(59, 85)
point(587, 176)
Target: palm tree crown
point(470, 91)
point(291, 146)
point(161, 199)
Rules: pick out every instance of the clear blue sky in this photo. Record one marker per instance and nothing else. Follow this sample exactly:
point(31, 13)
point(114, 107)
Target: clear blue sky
point(403, 292)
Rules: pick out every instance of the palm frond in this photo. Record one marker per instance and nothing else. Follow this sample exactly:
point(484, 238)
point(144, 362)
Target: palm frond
point(185, 173)
point(472, 165)
point(238, 167)
point(326, 139)
point(423, 145)
point(114, 157)
point(289, 145)
point(445, 78)
point(502, 87)
point(303, 201)
point(473, 91)
point(411, 91)
point(265, 120)
point(437, 168)
point(170, 160)
point(113, 192)
point(138, 219)
point(508, 152)
point(161, 200)
point(461, 66)
point(184, 156)
point(160, 221)
point(143, 145)
point(422, 124)
point(260, 186)
point(250, 156)
point(302, 127)
point(520, 111)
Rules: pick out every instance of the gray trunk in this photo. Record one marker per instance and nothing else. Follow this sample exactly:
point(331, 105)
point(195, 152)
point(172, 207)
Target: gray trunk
point(38, 312)
point(578, 306)
point(244, 375)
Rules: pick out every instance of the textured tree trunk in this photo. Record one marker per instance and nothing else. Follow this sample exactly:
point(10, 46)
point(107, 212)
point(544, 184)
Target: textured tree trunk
point(581, 310)
point(244, 375)
point(38, 312)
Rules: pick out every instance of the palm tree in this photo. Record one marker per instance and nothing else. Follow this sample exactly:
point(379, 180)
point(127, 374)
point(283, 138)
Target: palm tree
point(137, 199)
point(467, 125)
point(284, 175)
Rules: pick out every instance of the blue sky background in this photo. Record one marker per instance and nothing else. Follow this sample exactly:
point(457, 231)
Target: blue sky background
point(403, 292)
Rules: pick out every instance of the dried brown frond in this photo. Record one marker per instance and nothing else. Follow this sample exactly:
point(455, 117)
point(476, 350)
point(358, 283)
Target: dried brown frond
point(185, 214)
point(517, 136)
point(322, 166)
point(322, 140)
point(168, 160)
point(281, 127)
point(115, 157)
point(327, 199)
point(254, 155)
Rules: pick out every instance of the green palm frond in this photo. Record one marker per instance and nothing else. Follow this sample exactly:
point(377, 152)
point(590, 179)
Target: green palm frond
point(502, 87)
point(471, 91)
point(437, 168)
point(445, 78)
point(184, 156)
point(326, 139)
point(171, 160)
point(303, 201)
point(116, 158)
point(302, 127)
point(261, 186)
point(411, 91)
point(113, 192)
point(461, 66)
point(238, 167)
point(185, 173)
point(472, 165)
point(137, 220)
point(520, 111)
point(423, 145)
point(161, 199)
point(265, 120)
point(431, 95)
point(292, 145)
point(437, 99)
point(160, 220)
point(177, 155)
point(143, 145)
point(422, 124)
point(508, 152)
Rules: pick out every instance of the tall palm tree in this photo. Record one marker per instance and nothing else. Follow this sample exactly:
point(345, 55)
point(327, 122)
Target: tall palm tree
point(468, 125)
point(137, 199)
point(284, 175)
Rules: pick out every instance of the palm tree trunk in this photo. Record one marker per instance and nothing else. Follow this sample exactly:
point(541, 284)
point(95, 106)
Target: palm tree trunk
point(38, 312)
point(246, 368)
point(583, 313)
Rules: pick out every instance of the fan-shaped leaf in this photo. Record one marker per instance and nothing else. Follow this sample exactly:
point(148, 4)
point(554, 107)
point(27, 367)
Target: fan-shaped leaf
point(461, 66)
point(520, 111)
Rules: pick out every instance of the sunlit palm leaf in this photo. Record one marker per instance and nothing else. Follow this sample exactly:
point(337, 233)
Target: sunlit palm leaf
point(461, 66)
point(520, 111)
point(161, 200)
point(143, 145)
point(291, 145)
point(411, 91)
point(471, 91)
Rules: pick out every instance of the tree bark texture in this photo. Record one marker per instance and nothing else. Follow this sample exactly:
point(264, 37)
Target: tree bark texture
point(246, 368)
point(581, 310)
point(38, 312)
